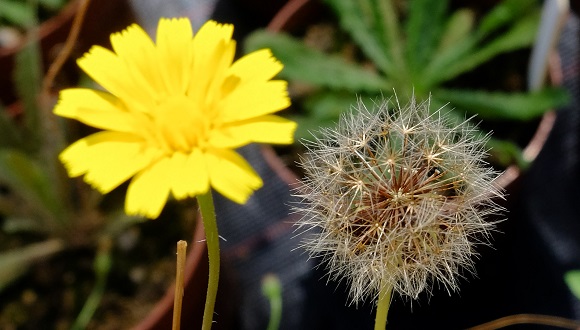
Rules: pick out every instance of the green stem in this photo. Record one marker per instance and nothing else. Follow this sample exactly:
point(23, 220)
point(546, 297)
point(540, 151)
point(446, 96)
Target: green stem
point(383, 306)
point(102, 266)
point(213, 250)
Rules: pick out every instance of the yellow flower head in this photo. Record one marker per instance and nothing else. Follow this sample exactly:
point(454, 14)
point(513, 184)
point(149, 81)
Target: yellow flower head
point(175, 112)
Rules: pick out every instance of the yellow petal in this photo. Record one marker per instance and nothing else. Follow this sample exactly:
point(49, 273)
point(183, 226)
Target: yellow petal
point(190, 174)
point(260, 65)
point(174, 46)
point(211, 39)
point(94, 108)
point(231, 175)
point(264, 129)
point(253, 100)
point(149, 190)
point(110, 72)
point(137, 51)
point(107, 159)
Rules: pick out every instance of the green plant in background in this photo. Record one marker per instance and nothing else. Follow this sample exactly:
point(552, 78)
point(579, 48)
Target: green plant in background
point(421, 47)
point(20, 13)
point(37, 199)
point(572, 279)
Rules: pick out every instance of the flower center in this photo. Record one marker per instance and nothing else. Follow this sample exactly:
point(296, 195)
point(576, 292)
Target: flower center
point(180, 124)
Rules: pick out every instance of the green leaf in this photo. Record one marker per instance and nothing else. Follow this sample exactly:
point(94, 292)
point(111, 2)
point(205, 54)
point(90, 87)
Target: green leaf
point(457, 30)
point(17, 12)
point(572, 279)
point(27, 179)
point(329, 105)
point(304, 64)
point(504, 153)
point(16, 262)
point(28, 77)
point(309, 127)
point(519, 36)
point(53, 5)
point(356, 17)
point(500, 105)
point(503, 14)
point(426, 19)
point(10, 135)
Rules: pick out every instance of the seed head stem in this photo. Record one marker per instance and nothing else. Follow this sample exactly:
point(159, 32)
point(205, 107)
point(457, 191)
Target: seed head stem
point(383, 305)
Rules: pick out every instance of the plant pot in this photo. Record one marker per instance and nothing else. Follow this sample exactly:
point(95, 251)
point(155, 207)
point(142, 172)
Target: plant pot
point(53, 32)
point(297, 14)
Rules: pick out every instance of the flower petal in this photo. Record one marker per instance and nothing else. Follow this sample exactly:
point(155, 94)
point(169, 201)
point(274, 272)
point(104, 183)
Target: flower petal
point(253, 100)
point(190, 174)
point(260, 65)
point(212, 47)
point(95, 108)
point(107, 159)
point(231, 175)
point(264, 129)
point(137, 51)
point(174, 46)
point(149, 190)
point(110, 72)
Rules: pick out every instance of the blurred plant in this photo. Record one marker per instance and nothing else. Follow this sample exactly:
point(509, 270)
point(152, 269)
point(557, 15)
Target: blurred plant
point(175, 111)
point(37, 198)
point(272, 290)
point(17, 16)
point(395, 200)
point(572, 279)
point(420, 46)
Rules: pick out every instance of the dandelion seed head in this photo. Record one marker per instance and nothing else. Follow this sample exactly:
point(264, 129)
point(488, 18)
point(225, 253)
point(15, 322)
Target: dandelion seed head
point(398, 196)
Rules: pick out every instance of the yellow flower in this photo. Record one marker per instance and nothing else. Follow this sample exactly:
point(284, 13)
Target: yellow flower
point(176, 111)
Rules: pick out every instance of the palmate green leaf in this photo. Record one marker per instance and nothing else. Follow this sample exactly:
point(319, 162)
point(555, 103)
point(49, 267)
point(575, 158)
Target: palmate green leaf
point(16, 262)
point(572, 279)
point(307, 65)
point(27, 179)
point(502, 105)
point(356, 18)
point(425, 23)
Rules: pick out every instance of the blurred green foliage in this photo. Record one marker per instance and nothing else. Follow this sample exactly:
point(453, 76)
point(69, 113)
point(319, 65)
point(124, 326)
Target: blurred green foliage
point(422, 48)
point(23, 13)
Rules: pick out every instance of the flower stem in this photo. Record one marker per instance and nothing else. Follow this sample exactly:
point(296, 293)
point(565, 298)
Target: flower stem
point(180, 270)
point(383, 306)
point(213, 250)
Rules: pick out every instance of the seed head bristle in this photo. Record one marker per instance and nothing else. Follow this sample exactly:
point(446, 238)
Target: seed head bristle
point(398, 196)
